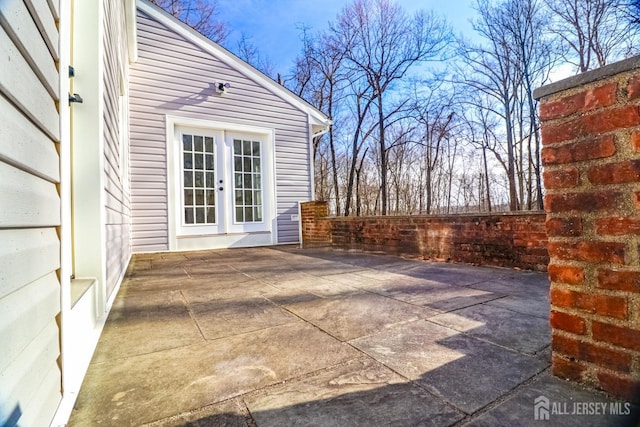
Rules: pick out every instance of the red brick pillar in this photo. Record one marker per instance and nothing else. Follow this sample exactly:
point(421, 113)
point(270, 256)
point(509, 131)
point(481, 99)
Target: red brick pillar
point(591, 158)
point(315, 227)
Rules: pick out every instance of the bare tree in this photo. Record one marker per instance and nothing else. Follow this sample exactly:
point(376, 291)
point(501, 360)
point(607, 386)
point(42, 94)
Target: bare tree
point(481, 124)
point(492, 72)
point(360, 134)
point(631, 8)
point(387, 43)
point(248, 52)
point(327, 59)
point(320, 76)
point(435, 114)
point(593, 32)
point(198, 14)
point(527, 22)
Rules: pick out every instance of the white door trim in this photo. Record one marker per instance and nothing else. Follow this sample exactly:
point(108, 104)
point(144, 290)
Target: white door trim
point(177, 241)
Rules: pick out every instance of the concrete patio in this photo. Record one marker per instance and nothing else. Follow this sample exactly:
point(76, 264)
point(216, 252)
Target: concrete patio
point(282, 336)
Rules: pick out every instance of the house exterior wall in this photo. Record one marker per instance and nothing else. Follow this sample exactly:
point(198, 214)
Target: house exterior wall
point(591, 156)
point(173, 76)
point(30, 379)
point(116, 147)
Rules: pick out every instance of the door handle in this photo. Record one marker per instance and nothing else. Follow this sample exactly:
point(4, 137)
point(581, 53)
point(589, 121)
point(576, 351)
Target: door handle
point(220, 188)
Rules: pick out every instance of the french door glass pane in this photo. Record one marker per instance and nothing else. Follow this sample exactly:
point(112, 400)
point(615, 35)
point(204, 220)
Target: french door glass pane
point(211, 215)
point(199, 215)
point(199, 179)
point(187, 142)
point(188, 197)
point(199, 197)
point(211, 197)
point(208, 144)
point(188, 179)
point(188, 215)
point(247, 180)
point(188, 160)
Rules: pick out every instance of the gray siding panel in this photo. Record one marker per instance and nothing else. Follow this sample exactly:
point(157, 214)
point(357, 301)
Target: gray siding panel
point(175, 77)
point(117, 192)
point(30, 380)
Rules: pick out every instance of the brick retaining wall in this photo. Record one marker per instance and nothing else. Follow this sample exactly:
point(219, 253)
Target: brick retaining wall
point(506, 239)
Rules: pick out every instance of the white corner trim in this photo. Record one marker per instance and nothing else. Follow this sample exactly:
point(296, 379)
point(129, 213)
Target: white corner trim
point(132, 29)
point(232, 60)
point(170, 125)
point(71, 389)
point(312, 166)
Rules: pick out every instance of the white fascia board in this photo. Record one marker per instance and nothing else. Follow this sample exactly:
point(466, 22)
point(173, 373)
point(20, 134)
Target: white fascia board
point(132, 29)
point(317, 129)
point(231, 60)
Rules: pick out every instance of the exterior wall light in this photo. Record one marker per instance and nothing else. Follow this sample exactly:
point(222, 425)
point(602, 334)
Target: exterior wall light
point(222, 87)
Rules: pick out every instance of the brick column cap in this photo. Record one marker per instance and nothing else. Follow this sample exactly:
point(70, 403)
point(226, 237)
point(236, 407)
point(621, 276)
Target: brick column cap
point(588, 77)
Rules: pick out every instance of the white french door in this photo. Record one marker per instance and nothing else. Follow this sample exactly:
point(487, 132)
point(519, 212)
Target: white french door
point(248, 189)
point(201, 181)
point(220, 185)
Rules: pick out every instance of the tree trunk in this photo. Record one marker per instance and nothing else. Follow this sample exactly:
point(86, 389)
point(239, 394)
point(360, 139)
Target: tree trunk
point(511, 175)
point(429, 190)
point(486, 176)
point(452, 159)
point(383, 157)
point(358, 171)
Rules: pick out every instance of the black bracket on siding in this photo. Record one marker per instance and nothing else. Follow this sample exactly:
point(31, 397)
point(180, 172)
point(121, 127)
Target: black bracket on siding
point(75, 97)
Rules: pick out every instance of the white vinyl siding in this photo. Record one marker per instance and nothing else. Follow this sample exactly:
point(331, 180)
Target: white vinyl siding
point(117, 200)
point(175, 77)
point(30, 380)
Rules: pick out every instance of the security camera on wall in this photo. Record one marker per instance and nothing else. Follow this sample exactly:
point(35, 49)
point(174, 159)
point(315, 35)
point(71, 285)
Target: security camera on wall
point(222, 88)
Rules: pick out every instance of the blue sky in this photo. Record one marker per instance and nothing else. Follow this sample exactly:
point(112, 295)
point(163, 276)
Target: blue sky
point(273, 25)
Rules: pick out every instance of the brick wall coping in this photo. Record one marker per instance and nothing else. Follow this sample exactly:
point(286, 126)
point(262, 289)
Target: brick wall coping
point(588, 77)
